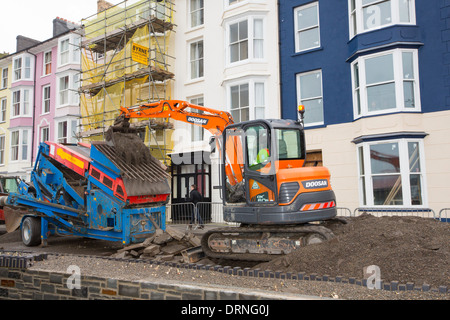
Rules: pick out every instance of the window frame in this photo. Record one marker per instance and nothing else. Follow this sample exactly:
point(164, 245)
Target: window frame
point(20, 146)
point(4, 80)
point(200, 10)
point(251, 38)
point(360, 100)
point(2, 149)
point(24, 72)
point(41, 133)
point(296, 27)
point(197, 132)
point(356, 16)
point(22, 103)
point(252, 82)
point(198, 61)
point(3, 109)
point(72, 52)
point(299, 96)
point(45, 100)
point(46, 63)
point(365, 189)
point(73, 98)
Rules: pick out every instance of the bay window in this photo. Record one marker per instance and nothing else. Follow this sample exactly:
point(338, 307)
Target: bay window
point(245, 39)
point(20, 144)
point(247, 100)
point(386, 82)
point(391, 173)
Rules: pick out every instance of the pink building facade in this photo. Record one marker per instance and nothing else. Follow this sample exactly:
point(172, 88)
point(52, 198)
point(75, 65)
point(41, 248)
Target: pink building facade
point(44, 99)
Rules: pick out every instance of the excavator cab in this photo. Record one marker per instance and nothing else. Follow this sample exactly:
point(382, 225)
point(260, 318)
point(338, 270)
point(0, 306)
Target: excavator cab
point(265, 181)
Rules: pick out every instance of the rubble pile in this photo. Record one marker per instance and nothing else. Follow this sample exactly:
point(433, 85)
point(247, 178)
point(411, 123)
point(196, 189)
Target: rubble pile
point(172, 245)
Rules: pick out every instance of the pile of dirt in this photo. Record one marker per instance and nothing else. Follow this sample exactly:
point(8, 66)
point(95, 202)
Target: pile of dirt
point(406, 249)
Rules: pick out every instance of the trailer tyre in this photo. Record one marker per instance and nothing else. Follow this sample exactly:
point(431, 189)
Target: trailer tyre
point(31, 231)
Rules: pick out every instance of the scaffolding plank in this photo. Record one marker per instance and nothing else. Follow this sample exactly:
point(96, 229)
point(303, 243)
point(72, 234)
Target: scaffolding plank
point(156, 73)
point(110, 40)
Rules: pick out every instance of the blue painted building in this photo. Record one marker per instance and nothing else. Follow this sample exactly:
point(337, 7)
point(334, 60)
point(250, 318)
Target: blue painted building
point(374, 77)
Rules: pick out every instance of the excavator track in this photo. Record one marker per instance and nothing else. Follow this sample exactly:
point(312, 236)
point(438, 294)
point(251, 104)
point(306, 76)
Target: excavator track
point(251, 243)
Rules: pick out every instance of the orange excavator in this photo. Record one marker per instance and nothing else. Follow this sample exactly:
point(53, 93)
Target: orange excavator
point(278, 202)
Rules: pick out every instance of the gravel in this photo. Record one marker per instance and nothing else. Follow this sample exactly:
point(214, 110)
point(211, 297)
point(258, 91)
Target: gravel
point(134, 271)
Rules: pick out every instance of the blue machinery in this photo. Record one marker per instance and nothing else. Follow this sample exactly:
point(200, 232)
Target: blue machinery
point(87, 190)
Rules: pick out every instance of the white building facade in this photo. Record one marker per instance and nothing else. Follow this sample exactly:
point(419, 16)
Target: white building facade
point(227, 59)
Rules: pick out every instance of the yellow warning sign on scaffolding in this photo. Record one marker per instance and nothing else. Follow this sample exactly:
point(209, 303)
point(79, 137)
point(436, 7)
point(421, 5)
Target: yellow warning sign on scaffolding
point(139, 53)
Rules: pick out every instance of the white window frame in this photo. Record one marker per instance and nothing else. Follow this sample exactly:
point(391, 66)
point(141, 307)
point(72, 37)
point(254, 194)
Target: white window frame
point(356, 15)
point(72, 124)
point(192, 12)
point(366, 188)
point(301, 100)
point(360, 100)
point(62, 138)
point(17, 70)
point(253, 101)
point(24, 105)
point(3, 108)
point(46, 100)
point(251, 38)
point(198, 62)
point(2, 149)
point(26, 66)
point(73, 98)
point(41, 133)
point(197, 132)
point(72, 52)
point(21, 145)
point(4, 83)
point(45, 63)
point(297, 31)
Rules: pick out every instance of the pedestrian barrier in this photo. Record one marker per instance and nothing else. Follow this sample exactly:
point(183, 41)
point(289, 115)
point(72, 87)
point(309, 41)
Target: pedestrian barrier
point(343, 212)
point(444, 215)
point(206, 212)
point(403, 212)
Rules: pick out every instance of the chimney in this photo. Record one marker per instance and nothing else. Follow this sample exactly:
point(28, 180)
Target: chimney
point(23, 43)
point(61, 26)
point(103, 5)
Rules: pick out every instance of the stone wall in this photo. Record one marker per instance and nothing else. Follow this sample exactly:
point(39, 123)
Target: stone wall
point(23, 284)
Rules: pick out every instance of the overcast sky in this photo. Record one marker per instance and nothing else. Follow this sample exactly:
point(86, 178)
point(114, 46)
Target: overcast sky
point(34, 18)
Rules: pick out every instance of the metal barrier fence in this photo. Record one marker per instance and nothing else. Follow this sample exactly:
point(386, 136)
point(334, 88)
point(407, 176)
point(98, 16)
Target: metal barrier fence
point(343, 212)
point(403, 212)
point(212, 212)
point(444, 215)
point(207, 212)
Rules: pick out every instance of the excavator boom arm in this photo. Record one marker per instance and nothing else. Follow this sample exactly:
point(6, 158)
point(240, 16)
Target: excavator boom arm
point(210, 119)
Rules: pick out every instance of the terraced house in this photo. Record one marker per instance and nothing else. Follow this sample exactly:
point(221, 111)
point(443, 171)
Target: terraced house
point(373, 76)
point(5, 101)
point(35, 98)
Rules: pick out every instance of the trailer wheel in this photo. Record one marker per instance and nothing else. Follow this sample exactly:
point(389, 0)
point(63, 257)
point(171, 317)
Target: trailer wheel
point(31, 231)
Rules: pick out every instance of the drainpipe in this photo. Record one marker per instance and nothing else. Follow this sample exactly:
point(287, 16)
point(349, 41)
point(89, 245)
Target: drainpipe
point(34, 109)
point(279, 60)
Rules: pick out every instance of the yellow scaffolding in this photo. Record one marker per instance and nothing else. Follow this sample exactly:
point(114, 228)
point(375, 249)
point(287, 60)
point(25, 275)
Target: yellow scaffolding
point(125, 62)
